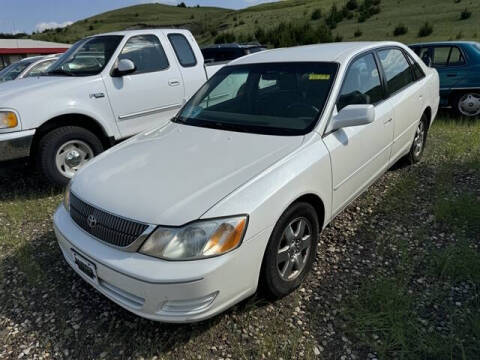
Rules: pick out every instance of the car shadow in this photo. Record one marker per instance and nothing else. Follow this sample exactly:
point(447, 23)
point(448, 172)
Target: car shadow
point(20, 180)
point(40, 293)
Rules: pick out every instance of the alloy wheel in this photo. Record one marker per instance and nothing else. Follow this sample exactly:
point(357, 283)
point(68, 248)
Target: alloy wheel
point(294, 249)
point(419, 139)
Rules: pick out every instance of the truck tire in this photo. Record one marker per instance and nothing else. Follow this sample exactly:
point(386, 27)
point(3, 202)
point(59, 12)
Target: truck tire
point(62, 151)
point(290, 251)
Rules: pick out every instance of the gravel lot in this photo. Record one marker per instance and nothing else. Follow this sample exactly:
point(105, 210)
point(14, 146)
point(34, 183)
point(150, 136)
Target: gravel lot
point(397, 276)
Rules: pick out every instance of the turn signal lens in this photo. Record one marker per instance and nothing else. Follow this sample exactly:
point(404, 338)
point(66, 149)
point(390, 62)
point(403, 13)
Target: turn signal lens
point(226, 238)
point(8, 120)
point(205, 238)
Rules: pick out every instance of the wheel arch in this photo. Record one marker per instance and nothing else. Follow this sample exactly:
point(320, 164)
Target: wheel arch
point(316, 202)
point(428, 113)
point(454, 94)
point(72, 119)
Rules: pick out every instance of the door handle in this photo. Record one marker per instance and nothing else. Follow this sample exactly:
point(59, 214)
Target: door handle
point(173, 82)
point(387, 121)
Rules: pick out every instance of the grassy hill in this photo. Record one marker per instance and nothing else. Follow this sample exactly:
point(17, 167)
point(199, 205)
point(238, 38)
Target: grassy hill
point(209, 23)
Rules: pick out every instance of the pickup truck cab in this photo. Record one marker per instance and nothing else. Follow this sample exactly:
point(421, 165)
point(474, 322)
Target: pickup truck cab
point(458, 64)
point(181, 222)
point(105, 88)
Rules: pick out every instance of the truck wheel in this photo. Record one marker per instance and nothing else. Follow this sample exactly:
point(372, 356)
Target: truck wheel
point(467, 104)
point(290, 250)
point(62, 151)
point(418, 145)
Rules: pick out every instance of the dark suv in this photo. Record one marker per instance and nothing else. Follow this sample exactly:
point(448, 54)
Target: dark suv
point(228, 52)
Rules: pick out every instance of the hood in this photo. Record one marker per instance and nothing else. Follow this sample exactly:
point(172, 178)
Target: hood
point(22, 87)
point(173, 175)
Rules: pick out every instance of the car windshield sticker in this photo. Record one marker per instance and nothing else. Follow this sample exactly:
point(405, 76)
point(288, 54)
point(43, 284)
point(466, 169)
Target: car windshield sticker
point(319, 77)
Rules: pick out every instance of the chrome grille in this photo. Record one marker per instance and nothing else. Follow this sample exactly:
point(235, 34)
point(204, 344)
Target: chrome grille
point(104, 226)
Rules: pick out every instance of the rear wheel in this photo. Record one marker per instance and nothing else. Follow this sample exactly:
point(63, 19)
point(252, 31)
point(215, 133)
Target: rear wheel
point(63, 151)
point(418, 145)
point(467, 104)
point(291, 250)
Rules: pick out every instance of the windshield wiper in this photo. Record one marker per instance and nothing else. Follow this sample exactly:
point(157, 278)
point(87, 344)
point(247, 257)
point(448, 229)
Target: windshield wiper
point(59, 72)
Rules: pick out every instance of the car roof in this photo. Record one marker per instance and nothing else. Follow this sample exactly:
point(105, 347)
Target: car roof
point(444, 43)
point(331, 52)
point(31, 59)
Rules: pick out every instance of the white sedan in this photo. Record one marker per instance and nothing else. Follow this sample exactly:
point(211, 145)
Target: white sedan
point(181, 222)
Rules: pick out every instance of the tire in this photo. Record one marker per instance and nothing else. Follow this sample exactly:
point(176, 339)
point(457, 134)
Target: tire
point(63, 142)
point(467, 104)
point(418, 145)
point(275, 279)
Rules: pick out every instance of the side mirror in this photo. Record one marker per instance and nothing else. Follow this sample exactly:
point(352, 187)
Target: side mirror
point(352, 115)
point(124, 67)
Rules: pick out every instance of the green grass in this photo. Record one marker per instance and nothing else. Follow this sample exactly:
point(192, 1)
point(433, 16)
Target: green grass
point(206, 22)
point(388, 312)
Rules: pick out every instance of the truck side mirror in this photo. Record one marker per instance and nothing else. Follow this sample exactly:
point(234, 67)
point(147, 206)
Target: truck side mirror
point(124, 67)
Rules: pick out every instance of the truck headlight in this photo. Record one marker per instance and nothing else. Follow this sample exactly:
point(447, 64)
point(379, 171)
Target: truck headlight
point(200, 239)
point(8, 120)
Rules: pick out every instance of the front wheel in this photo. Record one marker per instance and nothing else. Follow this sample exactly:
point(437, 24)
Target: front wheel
point(291, 250)
point(63, 151)
point(468, 104)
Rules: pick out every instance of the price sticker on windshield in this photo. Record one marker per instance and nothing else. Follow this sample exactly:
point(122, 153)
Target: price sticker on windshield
point(319, 77)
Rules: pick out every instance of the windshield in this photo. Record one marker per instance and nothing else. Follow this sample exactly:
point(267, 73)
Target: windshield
point(277, 99)
point(12, 71)
point(86, 57)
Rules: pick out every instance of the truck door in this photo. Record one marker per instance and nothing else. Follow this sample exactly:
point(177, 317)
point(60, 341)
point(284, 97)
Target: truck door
point(153, 93)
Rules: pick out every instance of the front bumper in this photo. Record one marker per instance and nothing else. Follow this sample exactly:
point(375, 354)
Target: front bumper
point(167, 291)
point(15, 145)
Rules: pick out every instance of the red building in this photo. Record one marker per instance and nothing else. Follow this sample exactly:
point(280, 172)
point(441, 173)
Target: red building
point(12, 50)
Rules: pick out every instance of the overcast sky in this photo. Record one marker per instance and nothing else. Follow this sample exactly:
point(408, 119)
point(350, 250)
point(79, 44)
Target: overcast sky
point(31, 15)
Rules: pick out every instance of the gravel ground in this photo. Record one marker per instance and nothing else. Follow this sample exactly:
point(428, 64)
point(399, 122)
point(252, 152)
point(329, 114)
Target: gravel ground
point(46, 311)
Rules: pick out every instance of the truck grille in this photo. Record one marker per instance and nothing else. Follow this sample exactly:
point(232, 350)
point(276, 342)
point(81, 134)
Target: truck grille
point(109, 228)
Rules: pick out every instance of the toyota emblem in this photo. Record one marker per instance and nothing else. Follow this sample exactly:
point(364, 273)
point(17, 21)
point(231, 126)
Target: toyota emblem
point(91, 221)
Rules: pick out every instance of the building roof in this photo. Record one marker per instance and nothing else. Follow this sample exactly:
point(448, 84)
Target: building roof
point(29, 46)
point(329, 52)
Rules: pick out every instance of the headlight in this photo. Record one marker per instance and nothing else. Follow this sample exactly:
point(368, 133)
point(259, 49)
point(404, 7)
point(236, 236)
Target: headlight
point(197, 240)
point(66, 198)
point(8, 120)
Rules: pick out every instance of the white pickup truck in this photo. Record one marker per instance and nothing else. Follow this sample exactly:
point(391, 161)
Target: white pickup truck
point(105, 88)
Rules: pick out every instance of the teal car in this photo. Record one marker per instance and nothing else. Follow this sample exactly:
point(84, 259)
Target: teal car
point(458, 65)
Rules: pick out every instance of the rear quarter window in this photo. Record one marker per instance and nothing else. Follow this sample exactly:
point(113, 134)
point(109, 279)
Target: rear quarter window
point(183, 50)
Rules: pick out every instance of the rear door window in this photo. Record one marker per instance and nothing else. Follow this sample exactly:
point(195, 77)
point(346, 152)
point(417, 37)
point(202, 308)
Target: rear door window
point(417, 69)
point(183, 50)
point(456, 57)
point(440, 55)
point(396, 68)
